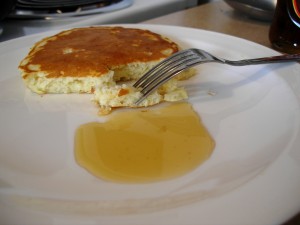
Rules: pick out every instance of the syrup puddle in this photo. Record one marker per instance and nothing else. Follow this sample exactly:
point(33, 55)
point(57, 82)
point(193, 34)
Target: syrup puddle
point(141, 146)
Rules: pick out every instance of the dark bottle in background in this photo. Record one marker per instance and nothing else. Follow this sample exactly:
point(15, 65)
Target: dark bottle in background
point(285, 29)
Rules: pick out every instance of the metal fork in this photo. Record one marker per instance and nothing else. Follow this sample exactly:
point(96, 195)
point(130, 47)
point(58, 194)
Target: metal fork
point(173, 65)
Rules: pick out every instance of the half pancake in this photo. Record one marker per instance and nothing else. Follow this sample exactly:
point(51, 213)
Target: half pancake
point(94, 59)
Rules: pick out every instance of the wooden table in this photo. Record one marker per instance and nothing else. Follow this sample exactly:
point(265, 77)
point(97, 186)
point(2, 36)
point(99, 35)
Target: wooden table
point(218, 16)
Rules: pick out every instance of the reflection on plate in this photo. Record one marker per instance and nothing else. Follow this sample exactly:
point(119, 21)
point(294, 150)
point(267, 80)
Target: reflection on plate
point(253, 115)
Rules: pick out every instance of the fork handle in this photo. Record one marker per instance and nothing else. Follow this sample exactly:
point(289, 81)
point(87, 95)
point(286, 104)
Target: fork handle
point(265, 60)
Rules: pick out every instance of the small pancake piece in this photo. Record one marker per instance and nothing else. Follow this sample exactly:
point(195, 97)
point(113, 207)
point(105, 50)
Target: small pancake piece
point(94, 60)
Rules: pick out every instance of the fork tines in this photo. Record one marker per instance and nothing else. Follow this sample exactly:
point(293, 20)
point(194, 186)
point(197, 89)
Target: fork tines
point(165, 70)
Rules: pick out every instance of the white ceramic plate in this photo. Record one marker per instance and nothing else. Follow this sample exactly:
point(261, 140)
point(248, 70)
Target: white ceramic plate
point(253, 176)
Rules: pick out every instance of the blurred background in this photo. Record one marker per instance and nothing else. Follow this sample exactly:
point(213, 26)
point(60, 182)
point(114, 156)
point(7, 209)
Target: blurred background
point(24, 17)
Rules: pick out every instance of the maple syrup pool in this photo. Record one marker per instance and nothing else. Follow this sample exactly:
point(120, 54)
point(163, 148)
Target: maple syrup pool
point(139, 146)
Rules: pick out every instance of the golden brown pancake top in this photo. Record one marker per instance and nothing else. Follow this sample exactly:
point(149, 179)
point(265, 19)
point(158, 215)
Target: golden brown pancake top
point(94, 50)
